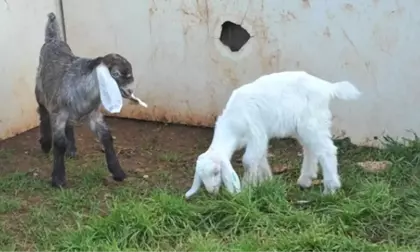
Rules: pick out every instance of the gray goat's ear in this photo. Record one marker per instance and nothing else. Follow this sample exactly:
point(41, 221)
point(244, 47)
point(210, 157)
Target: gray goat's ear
point(94, 63)
point(195, 186)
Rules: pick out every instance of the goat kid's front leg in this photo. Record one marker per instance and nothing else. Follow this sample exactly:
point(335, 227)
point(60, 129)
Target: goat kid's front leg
point(71, 143)
point(252, 160)
point(264, 169)
point(58, 176)
point(99, 127)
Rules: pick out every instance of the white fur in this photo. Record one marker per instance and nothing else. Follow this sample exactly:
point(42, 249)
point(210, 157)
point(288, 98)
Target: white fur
point(286, 104)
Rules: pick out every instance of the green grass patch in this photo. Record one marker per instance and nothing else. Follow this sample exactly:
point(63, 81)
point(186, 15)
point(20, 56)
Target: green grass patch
point(373, 211)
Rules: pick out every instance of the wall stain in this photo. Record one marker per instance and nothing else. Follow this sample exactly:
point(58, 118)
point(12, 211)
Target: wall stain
point(230, 74)
point(327, 32)
point(288, 16)
point(306, 4)
point(348, 7)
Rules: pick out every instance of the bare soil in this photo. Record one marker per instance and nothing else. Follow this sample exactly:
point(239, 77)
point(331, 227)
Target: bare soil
point(157, 152)
point(144, 148)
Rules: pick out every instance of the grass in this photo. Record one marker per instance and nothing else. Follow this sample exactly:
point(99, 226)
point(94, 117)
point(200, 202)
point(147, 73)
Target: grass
point(373, 212)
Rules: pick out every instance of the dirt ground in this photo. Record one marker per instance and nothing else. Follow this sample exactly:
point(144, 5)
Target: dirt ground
point(146, 150)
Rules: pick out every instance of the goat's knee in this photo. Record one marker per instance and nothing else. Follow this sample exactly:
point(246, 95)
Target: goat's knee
point(327, 156)
point(309, 169)
point(59, 121)
point(58, 176)
point(71, 142)
point(251, 161)
point(101, 130)
point(265, 169)
point(330, 173)
point(45, 139)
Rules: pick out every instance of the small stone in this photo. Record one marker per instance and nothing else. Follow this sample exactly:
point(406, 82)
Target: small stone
point(108, 181)
point(374, 166)
point(317, 181)
point(279, 169)
point(138, 170)
point(145, 176)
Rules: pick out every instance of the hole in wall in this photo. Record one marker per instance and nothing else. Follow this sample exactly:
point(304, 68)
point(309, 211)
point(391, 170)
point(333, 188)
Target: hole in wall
point(234, 36)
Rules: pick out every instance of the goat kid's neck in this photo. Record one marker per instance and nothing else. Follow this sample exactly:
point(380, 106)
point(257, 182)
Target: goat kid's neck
point(223, 143)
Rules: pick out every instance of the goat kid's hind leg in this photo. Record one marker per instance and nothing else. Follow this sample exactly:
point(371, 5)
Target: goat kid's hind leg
point(71, 144)
point(99, 127)
point(321, 145)
point(328, 161)
point(309, 170)
point(58, 177)
point(45, 139)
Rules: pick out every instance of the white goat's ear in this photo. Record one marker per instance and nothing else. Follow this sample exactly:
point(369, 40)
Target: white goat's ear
point(195, 186)
point(230, 177)
point(108, 89)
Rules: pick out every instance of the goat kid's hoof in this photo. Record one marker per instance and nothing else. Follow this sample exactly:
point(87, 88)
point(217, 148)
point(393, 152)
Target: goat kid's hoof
point(304, 182)
point(303, 188)
point(329, 191)
point(58, 183)
point(121, 176)
point(331, 187)
point(71, 153)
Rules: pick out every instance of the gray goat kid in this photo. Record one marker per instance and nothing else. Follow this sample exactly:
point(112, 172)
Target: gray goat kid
point(67, 92)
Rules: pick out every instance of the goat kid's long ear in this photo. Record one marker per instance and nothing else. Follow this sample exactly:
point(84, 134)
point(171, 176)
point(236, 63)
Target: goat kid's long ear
point(195, 186)
point(230, 178)
point(108, 89)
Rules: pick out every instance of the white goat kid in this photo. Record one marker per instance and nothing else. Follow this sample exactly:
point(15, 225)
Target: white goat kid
point(286, 104)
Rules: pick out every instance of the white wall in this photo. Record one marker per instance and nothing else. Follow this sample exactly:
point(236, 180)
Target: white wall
point(186, 75)
point(22, 34)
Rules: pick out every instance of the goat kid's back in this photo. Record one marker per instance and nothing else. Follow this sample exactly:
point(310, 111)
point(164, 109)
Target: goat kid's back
point(280, 102)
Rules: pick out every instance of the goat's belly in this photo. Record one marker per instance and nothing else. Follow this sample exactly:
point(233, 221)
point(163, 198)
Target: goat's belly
point(82, 110)
point(284, 134)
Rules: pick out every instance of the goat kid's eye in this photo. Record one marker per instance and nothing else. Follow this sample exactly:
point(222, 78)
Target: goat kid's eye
point(116, 74)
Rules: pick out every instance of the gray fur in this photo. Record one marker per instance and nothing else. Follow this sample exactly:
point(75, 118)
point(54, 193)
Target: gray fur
point(67, 92)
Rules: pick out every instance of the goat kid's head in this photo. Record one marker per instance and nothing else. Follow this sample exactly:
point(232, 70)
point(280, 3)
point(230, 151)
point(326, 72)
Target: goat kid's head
point(211, 171)
point(121, 71)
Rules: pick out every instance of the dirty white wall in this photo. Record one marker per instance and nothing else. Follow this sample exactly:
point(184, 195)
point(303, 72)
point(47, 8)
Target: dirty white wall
point(186, 75)
point(22, 34)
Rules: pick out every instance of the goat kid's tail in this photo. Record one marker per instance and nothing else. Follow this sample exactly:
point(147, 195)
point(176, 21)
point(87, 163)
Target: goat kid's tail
point(344, 90)
point(52, 29)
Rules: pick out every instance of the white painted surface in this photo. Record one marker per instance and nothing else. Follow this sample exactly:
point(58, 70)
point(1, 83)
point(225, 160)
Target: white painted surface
point(22, 25)
point(186, 75)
